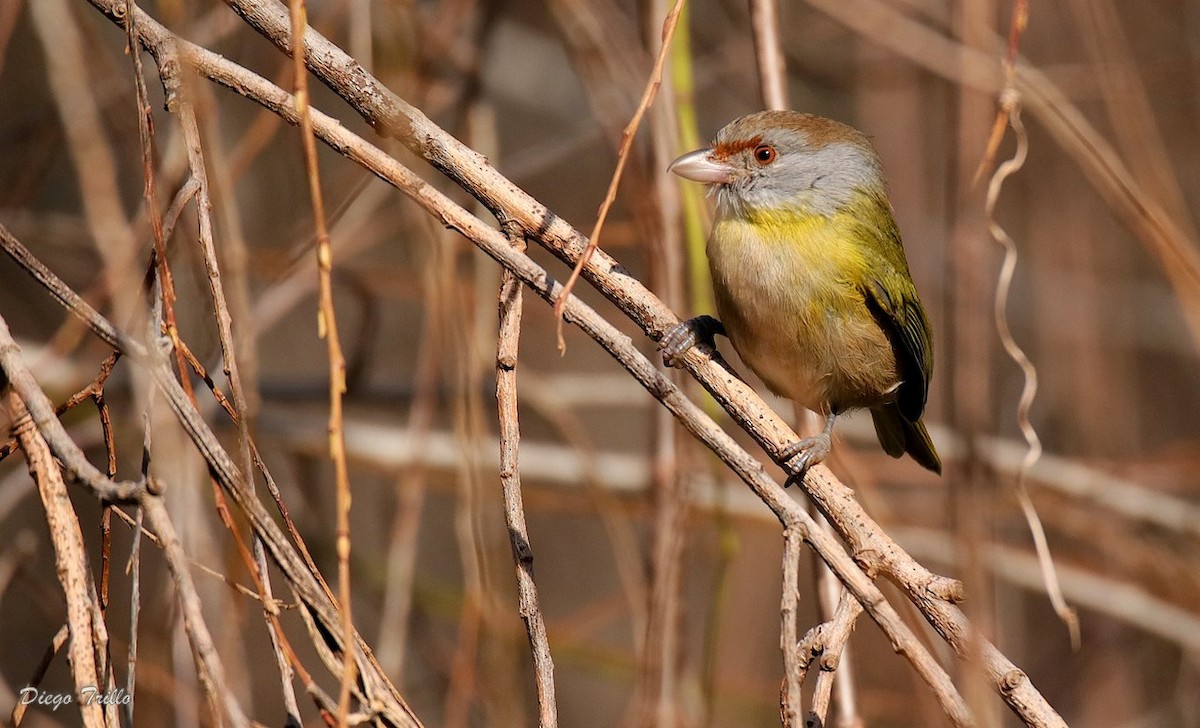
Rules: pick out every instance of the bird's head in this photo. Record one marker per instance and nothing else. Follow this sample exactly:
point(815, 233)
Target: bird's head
point(776, 161)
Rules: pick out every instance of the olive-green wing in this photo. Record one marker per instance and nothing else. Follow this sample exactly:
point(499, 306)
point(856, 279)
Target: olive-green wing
point(892, 297)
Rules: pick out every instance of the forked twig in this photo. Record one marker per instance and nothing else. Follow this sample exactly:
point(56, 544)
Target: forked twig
point(827, 644)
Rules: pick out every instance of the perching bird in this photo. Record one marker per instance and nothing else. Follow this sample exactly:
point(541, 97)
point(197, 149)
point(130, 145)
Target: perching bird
point(810, 279)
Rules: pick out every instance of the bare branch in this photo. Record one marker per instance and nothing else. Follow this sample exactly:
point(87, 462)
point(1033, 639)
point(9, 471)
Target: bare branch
point(327, 329)
point(208, 662)
point(86, 650)
point(41, 410)
point(794, 664)
point(510, 481)
point(772, 74)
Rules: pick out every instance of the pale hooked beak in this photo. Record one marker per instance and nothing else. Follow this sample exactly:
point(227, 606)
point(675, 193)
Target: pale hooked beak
point(699, 166)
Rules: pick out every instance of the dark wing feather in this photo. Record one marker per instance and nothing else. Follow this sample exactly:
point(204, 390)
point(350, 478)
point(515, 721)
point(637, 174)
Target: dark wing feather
point(892, 298)
point(906, 327)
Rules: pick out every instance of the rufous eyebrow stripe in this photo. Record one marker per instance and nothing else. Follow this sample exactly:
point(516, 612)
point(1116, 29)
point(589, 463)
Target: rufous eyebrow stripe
point(728, 148)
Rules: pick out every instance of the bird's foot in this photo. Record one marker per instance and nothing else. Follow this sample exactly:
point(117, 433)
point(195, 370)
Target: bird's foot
point(798, 457)
point(687, 334)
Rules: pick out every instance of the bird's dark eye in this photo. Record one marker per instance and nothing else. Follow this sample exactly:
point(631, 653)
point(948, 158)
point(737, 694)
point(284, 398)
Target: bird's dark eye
point(764, 154)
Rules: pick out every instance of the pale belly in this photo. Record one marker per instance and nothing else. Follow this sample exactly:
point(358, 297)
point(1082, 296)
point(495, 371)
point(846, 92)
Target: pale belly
point(808, 335)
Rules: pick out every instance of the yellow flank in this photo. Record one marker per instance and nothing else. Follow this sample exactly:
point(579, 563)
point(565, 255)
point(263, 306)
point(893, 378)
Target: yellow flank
point(789, 289)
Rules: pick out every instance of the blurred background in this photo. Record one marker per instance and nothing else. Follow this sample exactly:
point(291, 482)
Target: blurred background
point(658, 573)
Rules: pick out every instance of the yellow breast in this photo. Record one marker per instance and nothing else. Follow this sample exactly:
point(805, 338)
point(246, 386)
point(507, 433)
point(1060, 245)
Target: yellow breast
point(787, 288)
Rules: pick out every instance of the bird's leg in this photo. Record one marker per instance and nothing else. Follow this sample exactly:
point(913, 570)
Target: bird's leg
point(798, 457)
point(686, 334)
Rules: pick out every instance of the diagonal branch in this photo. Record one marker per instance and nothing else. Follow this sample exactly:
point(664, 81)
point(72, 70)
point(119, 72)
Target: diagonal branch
point(70, 556)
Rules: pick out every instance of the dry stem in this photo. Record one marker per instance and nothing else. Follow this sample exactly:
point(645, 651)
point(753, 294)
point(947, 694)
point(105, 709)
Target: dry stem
point(86, 651)
point(510, 481)
point(328, 330)
point(622, 157)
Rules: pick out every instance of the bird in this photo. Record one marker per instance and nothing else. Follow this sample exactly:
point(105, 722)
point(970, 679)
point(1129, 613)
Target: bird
point(810, 279)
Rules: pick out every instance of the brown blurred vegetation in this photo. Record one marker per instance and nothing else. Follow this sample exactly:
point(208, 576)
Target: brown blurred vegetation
point(543, 89)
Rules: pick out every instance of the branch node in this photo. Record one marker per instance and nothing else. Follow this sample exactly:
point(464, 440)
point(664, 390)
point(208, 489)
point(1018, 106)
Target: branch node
point(1013, 679)
point(155, 486)
point(870, 561)
point(167, 57)
point(947, 589)
point(829, 659)
point(812, 644)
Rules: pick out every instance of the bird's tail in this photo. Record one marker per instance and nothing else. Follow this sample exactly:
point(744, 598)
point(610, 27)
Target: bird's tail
point(899, 436)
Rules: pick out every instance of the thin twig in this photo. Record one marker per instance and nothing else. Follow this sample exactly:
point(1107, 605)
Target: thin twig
point(182, 108)
point(110, 448)
point(768, 54)
point(829, 641)
point(134, 570)
point(164, 283)
point(78, 469)
point(622, 157)
point(252, 556)
point(510, 482)
point(70, 557)
point(208, 662)
point(328, 330)
point(793, 669)
point(56, 643)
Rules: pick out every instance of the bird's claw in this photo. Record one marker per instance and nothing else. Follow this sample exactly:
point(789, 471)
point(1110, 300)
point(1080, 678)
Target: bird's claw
point(798, 457)
point(687, 334)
